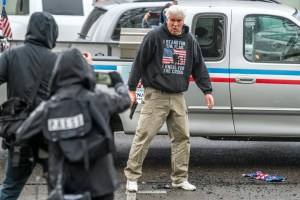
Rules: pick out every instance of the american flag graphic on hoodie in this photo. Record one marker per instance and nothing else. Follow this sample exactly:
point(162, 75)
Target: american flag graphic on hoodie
point(174, 56)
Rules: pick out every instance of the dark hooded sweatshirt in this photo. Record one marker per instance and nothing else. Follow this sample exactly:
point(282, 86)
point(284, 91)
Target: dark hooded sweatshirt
point(20, 65)
point(166, 62)
point(72, 79)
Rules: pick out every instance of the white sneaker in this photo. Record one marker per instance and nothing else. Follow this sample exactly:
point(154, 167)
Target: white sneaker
point(131, 186)
point(184, 185)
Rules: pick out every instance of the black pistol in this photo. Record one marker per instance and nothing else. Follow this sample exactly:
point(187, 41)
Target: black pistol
point(133, 107)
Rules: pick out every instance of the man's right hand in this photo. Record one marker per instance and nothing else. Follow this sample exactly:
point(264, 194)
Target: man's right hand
point(132, 95)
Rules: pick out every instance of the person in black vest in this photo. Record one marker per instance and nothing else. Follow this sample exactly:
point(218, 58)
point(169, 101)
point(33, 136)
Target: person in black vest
point(19, 68)
point(72, 81)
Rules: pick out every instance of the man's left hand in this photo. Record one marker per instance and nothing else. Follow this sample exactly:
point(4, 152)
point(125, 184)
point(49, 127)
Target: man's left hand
point(210, 101)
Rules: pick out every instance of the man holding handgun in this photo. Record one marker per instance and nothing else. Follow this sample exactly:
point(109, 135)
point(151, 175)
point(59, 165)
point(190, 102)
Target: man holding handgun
point(165, 79)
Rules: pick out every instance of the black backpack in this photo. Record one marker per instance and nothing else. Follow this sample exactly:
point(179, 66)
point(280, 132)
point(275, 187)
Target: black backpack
point(76, 133)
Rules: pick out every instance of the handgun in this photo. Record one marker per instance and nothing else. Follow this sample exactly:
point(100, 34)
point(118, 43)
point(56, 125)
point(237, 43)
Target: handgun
point(133, 107)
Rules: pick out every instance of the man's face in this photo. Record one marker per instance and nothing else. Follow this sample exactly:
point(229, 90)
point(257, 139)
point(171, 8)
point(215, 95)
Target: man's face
point(174, 24)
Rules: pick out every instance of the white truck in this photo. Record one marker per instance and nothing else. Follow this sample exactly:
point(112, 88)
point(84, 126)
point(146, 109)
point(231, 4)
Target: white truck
point(252, 52)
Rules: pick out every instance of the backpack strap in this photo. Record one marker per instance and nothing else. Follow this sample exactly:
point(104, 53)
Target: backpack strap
point(16, 147)
point(41, 75)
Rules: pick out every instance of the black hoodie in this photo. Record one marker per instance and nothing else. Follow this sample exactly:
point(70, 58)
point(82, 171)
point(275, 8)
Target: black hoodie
point(166, 62)
point(73, 80)
point(21, 65)
point(71, 69)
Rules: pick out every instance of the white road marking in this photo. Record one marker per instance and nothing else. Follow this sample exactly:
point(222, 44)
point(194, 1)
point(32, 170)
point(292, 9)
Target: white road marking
point(131, 195)
point(152, 192)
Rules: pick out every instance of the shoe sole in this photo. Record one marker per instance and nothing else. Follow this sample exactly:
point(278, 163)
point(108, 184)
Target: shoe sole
point(180, 187)
point(131, 190)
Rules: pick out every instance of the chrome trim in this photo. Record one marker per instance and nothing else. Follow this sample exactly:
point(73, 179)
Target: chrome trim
point(203, 109)
point(268, 111)
point(245, 110)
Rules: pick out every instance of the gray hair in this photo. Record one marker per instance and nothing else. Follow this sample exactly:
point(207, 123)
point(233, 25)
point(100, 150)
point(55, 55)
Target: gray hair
point(175, 10)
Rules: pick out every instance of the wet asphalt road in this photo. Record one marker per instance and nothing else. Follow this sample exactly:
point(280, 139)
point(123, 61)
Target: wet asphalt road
point(216, 168)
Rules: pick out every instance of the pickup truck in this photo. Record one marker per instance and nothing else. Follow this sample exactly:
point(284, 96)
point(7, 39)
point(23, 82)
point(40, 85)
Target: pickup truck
point(252, 52)
point(69, 15)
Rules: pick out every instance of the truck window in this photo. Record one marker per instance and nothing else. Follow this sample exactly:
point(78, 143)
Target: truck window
point(90, 20)
point(18, 7)
point(209, 32)
point(297, 15)
point(133, 19)
point(63, 7)
point(271, 39)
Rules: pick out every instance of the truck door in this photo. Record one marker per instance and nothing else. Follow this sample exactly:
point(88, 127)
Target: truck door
point(265, 75)
point(211, 31)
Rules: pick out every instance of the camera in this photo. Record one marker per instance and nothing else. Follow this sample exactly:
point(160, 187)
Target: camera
point(103, 78)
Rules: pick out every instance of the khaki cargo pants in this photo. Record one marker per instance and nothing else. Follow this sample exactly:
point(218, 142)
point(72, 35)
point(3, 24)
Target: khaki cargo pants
point(159, 107)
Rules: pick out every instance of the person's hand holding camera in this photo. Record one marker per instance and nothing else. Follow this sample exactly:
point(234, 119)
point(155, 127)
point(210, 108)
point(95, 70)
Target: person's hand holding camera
point(115, 78)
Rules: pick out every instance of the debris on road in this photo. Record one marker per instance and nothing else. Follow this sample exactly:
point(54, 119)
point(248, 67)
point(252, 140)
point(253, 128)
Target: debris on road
point(258, 175)
point(161, 186)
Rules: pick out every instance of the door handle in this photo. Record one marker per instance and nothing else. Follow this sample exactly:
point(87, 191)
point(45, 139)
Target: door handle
point(245, 79)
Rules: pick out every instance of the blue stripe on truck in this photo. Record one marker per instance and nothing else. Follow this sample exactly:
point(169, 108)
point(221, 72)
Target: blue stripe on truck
point(105, 67)
point(254, 71)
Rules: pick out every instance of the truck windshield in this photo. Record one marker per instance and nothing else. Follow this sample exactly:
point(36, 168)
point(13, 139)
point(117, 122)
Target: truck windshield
point(91, 19)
